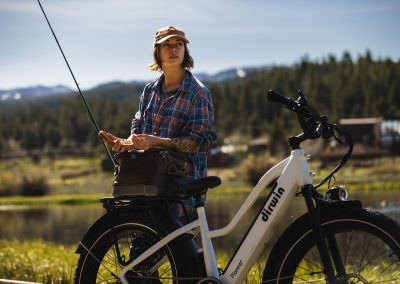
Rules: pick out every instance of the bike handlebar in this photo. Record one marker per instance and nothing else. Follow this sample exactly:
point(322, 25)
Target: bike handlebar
point(314, 126)
point(275, 97)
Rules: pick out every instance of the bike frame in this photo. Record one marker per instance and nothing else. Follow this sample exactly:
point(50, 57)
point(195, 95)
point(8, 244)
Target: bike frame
point(291, 174)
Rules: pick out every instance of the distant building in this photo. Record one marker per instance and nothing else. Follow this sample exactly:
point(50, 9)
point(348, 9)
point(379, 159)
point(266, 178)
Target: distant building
point(372, 138)
point(366, 131)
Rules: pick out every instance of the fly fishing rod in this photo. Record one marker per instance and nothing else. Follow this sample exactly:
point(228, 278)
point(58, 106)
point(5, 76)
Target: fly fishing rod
point(89, 112)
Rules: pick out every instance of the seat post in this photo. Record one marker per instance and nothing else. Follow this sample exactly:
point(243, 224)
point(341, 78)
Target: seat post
point(198, 201)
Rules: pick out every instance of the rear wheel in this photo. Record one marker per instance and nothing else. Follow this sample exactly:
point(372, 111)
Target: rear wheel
point(367, 244)
point(103, 261)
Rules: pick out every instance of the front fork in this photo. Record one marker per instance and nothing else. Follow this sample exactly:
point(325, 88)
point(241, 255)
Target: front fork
point(326, 243)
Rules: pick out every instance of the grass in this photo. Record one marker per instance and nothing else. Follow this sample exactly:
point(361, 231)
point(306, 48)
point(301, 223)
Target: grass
point(37, 261)
point(81, 181)
point(378, 175)
point(65, 176)
point(49, 263)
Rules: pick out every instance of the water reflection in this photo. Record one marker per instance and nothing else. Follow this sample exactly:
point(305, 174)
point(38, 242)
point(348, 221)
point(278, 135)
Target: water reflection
point(67, 224)
point(60, 224)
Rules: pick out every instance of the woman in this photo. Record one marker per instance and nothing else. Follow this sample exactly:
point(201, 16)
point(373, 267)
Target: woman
point(175, 111)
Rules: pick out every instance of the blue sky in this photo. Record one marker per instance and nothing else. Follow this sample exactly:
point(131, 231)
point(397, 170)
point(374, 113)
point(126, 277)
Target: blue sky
point(112, 40)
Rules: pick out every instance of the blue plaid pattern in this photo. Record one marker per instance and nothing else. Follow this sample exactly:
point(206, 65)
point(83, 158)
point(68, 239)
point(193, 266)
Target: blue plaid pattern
point(188, 113)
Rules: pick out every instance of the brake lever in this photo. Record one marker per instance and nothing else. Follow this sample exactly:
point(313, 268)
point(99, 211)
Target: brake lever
point(302, 101)
point(327, 131)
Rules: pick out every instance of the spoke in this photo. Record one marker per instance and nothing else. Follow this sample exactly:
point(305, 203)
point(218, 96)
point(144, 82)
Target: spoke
point(363, 252)
point(288, 277)
point(312, 262)
point(113, 261)
point(393, 280)
point(306, 269)
point(97, 260)
point(347, 247)
point(371, 259)
point(310, 281)
point(107, 281)
point(315, 256)
point(115, 258)
point(160, 263)
point(310, 272)
point(383, 272)
point(298, 277)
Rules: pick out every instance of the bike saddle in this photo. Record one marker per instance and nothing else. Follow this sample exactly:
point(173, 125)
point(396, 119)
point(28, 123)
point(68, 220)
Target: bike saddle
point(192, 187)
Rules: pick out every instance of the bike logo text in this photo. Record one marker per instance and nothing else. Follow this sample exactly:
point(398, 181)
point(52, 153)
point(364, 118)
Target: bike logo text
point(267, 211)
point(235, 272)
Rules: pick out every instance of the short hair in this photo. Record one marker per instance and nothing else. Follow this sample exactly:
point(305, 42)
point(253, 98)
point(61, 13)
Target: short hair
point(187, 63)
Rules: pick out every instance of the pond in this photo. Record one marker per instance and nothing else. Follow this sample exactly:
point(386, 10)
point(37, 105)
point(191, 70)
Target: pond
point(67, 224)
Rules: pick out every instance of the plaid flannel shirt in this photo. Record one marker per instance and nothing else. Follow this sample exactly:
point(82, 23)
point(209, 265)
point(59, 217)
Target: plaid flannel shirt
point(188, 113)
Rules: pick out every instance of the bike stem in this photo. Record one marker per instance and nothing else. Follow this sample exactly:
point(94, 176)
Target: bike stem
point(310, 195)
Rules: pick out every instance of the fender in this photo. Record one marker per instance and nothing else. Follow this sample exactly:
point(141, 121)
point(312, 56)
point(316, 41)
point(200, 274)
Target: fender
point(325, 207)
point(109, 219)
point(341, 204)
point(304, 219)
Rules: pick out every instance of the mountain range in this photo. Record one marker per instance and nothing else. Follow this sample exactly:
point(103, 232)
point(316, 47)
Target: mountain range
point(34, 92)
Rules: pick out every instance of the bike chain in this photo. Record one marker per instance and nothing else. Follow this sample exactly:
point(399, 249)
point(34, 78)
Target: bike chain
point(353, 277)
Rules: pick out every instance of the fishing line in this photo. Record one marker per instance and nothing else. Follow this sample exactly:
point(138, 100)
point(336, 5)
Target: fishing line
point(89, 112)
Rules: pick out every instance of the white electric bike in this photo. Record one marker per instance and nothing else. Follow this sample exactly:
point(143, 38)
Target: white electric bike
point(334, 241)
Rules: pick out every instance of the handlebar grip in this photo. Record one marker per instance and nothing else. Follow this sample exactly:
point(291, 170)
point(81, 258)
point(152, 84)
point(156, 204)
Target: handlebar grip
point(275, 97)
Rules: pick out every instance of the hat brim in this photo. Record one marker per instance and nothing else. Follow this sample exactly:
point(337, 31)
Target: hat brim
point(169, 37)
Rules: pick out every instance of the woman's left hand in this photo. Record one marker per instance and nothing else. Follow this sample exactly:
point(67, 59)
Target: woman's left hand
point(147, 141)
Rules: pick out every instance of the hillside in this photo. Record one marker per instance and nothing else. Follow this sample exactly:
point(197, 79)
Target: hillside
point(339, 88)
point(32, 93)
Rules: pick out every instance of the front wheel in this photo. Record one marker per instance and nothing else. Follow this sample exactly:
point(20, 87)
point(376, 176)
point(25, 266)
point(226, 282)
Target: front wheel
point(113, 249)
point(365, 244)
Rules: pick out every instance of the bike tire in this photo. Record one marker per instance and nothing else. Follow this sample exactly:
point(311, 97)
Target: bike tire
point(99, 262)
point(368, 242)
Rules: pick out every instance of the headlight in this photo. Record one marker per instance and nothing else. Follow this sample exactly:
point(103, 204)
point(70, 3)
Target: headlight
point(337, 193)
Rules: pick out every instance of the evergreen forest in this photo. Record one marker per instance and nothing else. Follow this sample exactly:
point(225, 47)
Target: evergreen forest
point(343, 87)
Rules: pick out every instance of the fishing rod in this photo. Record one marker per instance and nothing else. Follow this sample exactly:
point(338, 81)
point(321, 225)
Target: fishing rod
point(94, 123)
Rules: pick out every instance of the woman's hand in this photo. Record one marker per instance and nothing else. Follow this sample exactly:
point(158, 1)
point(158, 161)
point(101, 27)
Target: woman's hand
point(146, 141)
point(135, 141)
point(117, 144)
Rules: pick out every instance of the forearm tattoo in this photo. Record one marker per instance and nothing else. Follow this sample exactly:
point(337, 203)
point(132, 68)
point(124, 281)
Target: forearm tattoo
point(184, 144)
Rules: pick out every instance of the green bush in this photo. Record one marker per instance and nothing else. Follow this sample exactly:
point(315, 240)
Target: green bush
point(253, 167)
point(34, 186)
point(8, 184)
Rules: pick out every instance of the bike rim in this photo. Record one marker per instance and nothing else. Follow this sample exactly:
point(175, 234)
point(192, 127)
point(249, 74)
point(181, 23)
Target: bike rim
point(158, 268)
point(367, 256)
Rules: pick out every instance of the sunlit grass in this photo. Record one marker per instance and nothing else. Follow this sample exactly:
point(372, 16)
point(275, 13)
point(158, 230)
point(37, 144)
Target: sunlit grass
point(49, 263)
point(43, 262)
point(374, 273)
point(37, 261)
